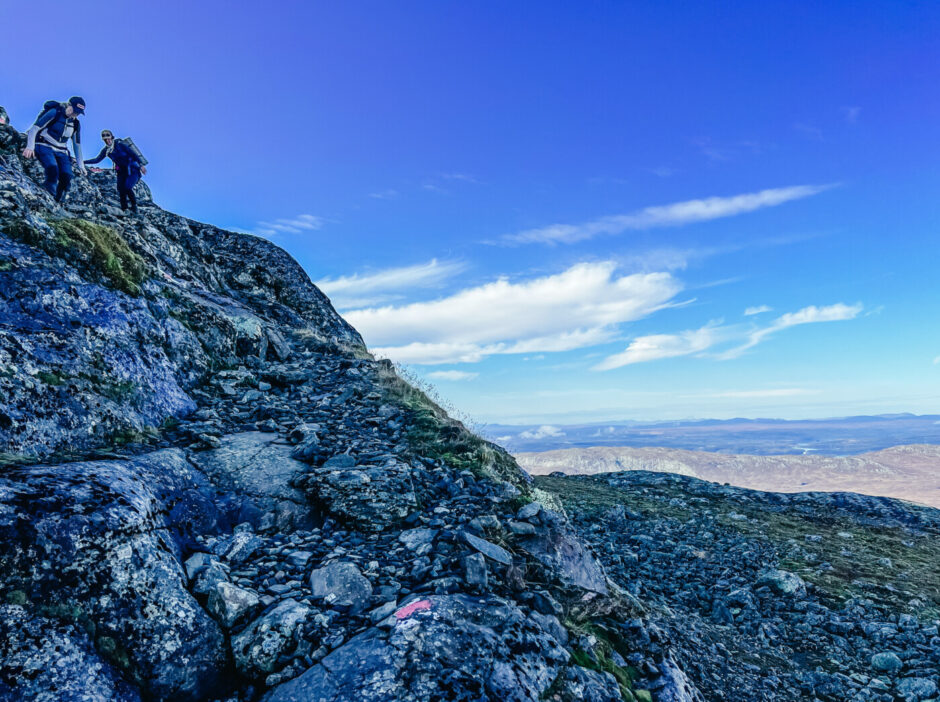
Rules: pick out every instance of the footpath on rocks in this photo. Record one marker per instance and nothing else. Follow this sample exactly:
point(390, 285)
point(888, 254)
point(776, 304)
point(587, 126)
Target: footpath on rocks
point(210, 490)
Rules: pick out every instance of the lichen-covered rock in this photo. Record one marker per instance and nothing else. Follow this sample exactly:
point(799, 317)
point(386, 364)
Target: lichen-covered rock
point(443, 647)
point(782, 582)
point(93, 539)
point(370, 497)
point(258, 648)
point(230, 604)
point(341, 585)
point(53, 660)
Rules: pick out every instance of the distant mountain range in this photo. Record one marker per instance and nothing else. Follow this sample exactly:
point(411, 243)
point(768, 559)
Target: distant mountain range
point(906, 472)
point(842, 436)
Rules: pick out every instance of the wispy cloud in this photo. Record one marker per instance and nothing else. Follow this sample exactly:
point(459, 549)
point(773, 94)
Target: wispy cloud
point(296, 225)
point(576, 308)
point(673, 215)
point(697, 341)
point(809, 130)
point(389, 194)
point(452, 375)
point(757, 394)
point(807, 315)
point(363, 290)
point(757, 310)
point(851, 113)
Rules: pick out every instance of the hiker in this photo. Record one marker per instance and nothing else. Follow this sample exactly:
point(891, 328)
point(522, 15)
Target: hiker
point(129, 164)
point(56, 124)
point(4, 117)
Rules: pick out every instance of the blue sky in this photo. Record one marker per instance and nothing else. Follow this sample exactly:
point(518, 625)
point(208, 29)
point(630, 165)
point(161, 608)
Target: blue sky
point(555, 212)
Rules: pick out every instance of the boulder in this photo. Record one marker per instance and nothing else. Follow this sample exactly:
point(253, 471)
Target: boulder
point(271, 636)
point(341, 585)
point(229, 604)
point(451, 647)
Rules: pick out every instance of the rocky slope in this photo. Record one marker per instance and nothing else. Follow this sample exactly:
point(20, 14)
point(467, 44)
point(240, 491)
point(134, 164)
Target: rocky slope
point(209, 490)
point(768, 596)
point(905, 472)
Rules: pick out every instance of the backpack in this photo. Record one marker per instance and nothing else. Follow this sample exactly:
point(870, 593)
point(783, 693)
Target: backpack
point(60, 110)
point(132, 147)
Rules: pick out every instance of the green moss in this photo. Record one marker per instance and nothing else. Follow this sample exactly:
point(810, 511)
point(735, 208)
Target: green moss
point(85, 243)
point(106, 249)
point(16, 459)
point(6, 266)
point(608, 642)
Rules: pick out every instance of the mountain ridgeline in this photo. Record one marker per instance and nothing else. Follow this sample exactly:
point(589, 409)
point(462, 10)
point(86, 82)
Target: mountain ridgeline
point(211, 491)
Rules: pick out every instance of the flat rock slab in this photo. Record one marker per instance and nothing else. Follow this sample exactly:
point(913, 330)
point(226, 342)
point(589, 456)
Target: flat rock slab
point(490, 550)
point(253, 463)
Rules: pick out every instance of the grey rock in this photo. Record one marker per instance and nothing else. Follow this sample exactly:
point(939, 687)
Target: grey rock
point(475, 570)
point(229, 604)
point(488, 549)
point(341, 585)
point(782, 582)
point(437, 646)
point(268, 638)
point(886, 662)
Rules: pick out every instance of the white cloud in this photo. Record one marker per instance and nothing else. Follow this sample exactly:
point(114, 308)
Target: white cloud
point(658, 346)
point(389, 194)
point(673, 215)
point(296, 225)
point(757, 310)
point(363, 290)
point(936, 361)
point(542, 432)
point(579, 307)
point(807, 315)
point(452, 375)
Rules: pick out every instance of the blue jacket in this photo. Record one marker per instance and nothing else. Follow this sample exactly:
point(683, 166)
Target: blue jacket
point(54, 130)
point(120, 154)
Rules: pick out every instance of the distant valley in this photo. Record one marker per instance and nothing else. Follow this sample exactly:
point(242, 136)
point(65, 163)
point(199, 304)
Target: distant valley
point(910, 472)
point(841, 436)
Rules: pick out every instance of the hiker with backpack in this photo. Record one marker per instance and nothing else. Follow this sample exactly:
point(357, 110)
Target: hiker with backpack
point(4, 118)
point(129, 164)
point(48, 138)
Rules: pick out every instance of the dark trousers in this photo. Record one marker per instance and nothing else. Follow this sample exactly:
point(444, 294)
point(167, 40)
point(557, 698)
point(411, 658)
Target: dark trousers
point(58, 167)
point(126, 180)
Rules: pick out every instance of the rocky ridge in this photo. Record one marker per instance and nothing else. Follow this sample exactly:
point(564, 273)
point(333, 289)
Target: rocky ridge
point(209, 489)
point(906, 472)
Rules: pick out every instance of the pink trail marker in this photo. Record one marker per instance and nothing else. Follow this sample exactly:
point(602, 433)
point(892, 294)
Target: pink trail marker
point(410, 609)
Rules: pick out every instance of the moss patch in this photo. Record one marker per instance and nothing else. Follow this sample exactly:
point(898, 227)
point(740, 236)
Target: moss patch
point(106, 250)
point(608, 642)
point(87, 244)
